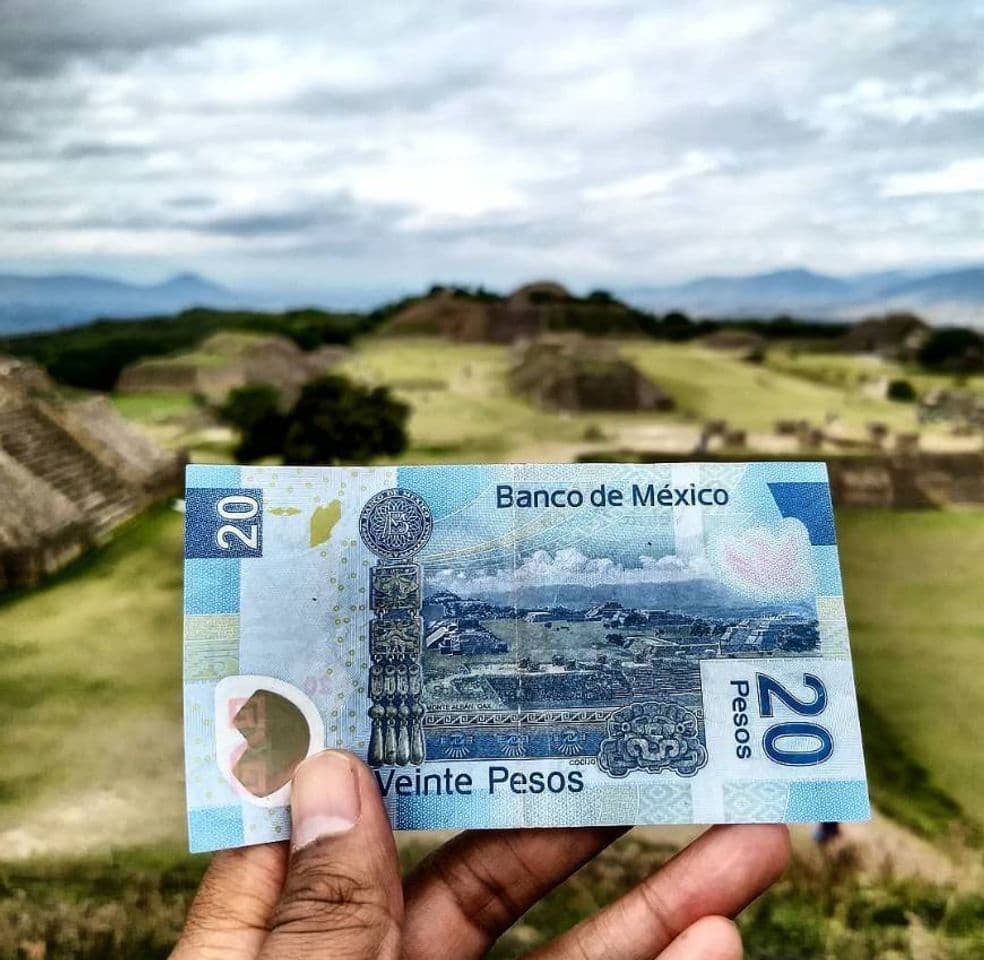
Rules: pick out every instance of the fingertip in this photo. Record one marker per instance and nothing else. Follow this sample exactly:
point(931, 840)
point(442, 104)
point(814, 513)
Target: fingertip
point(768, 843)
point(326, 797)
point(363, 772)
point(330, 764)
point(776, 845)
point(721, 937)
point(316, 758)
point(260, 855)
point(785, 844)
point(342, 891)
point(334, 796)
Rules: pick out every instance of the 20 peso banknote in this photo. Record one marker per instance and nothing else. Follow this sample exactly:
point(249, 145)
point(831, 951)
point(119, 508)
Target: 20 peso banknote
point(519, 645)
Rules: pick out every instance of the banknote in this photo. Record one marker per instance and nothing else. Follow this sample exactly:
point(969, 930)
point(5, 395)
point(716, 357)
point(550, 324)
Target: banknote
point(519, 645)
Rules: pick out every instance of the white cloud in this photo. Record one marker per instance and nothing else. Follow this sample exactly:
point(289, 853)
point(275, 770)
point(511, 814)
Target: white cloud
point(692, 164)
point(569, 566)
point(604, 141)
point(960, 176)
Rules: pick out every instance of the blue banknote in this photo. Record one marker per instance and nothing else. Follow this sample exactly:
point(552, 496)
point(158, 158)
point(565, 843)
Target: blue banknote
point(519, 645)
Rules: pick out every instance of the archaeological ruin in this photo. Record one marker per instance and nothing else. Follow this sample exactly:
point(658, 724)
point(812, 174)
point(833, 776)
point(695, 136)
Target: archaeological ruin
point(571, 372)
point(531, 310)
point(231, 359)
point(70, 473)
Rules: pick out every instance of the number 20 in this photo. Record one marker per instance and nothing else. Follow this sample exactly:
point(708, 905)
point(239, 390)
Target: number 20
point(769, 688)
point(237, 508)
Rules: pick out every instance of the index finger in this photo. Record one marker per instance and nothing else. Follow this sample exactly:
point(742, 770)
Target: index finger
point(231, 910)
point(478, 884)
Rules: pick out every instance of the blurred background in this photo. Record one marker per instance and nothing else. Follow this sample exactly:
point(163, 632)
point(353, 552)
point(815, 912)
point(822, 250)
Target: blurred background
point(484, 232)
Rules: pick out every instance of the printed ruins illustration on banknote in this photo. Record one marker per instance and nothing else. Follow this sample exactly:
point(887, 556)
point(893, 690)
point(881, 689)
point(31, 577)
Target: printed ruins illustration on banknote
point(513, 645)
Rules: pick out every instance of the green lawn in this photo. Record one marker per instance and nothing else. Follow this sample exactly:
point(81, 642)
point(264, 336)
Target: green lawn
point(915, 604)
point(90, 789)
point(91, 686)
point(464, 411)
point(153, 406)
point(92, 660)
point(854, 370)
point(714, 383)
point(91, 799)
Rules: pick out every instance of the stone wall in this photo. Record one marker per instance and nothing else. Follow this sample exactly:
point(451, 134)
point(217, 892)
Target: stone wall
point(915, 481)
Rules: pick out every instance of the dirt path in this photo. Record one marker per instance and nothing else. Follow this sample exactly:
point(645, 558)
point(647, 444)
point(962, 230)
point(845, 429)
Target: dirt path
point(882, 842)
point(95, 821)
point(878, 844)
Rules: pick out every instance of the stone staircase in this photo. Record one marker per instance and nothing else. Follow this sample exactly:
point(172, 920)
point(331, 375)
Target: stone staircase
point(52, 454)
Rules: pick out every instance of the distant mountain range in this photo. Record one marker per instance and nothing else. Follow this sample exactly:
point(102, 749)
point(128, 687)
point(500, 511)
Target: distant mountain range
point(950, 296)
point(32, 303)
point(63, 300)
point(686, 596)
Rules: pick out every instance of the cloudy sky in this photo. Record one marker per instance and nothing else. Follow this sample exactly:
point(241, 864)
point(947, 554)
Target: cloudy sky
point(341, 146)
point(568, 566)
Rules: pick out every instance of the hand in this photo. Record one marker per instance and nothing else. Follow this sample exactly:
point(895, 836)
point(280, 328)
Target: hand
point(339, 893)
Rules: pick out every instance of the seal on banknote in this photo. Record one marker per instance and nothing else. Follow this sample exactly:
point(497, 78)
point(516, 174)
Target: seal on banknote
point(396, 523)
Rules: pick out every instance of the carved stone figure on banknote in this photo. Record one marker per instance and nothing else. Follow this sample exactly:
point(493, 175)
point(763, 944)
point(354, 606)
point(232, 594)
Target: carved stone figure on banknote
point(395, 524)
point(653, 737)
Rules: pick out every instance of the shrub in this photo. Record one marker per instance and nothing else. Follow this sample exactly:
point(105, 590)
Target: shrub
point(336, 421)
point(901, 390)
point(333, 421)
point(255, 412)
point(756, 357)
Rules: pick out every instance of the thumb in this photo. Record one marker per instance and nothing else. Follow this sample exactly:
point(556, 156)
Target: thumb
point(342, 896)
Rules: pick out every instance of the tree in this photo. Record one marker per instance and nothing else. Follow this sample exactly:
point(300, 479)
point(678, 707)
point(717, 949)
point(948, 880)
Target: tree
point(677, 325)
point(255, 412)
point(337, 421)
point(954, 349)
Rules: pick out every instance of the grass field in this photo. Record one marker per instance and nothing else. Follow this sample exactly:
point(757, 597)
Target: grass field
point(153, 406)
point(133, 907)
point(91, 685)
point(913, 588)
point(178, 421)
point(463, 409)
point(855, 370)
point(712, 383)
